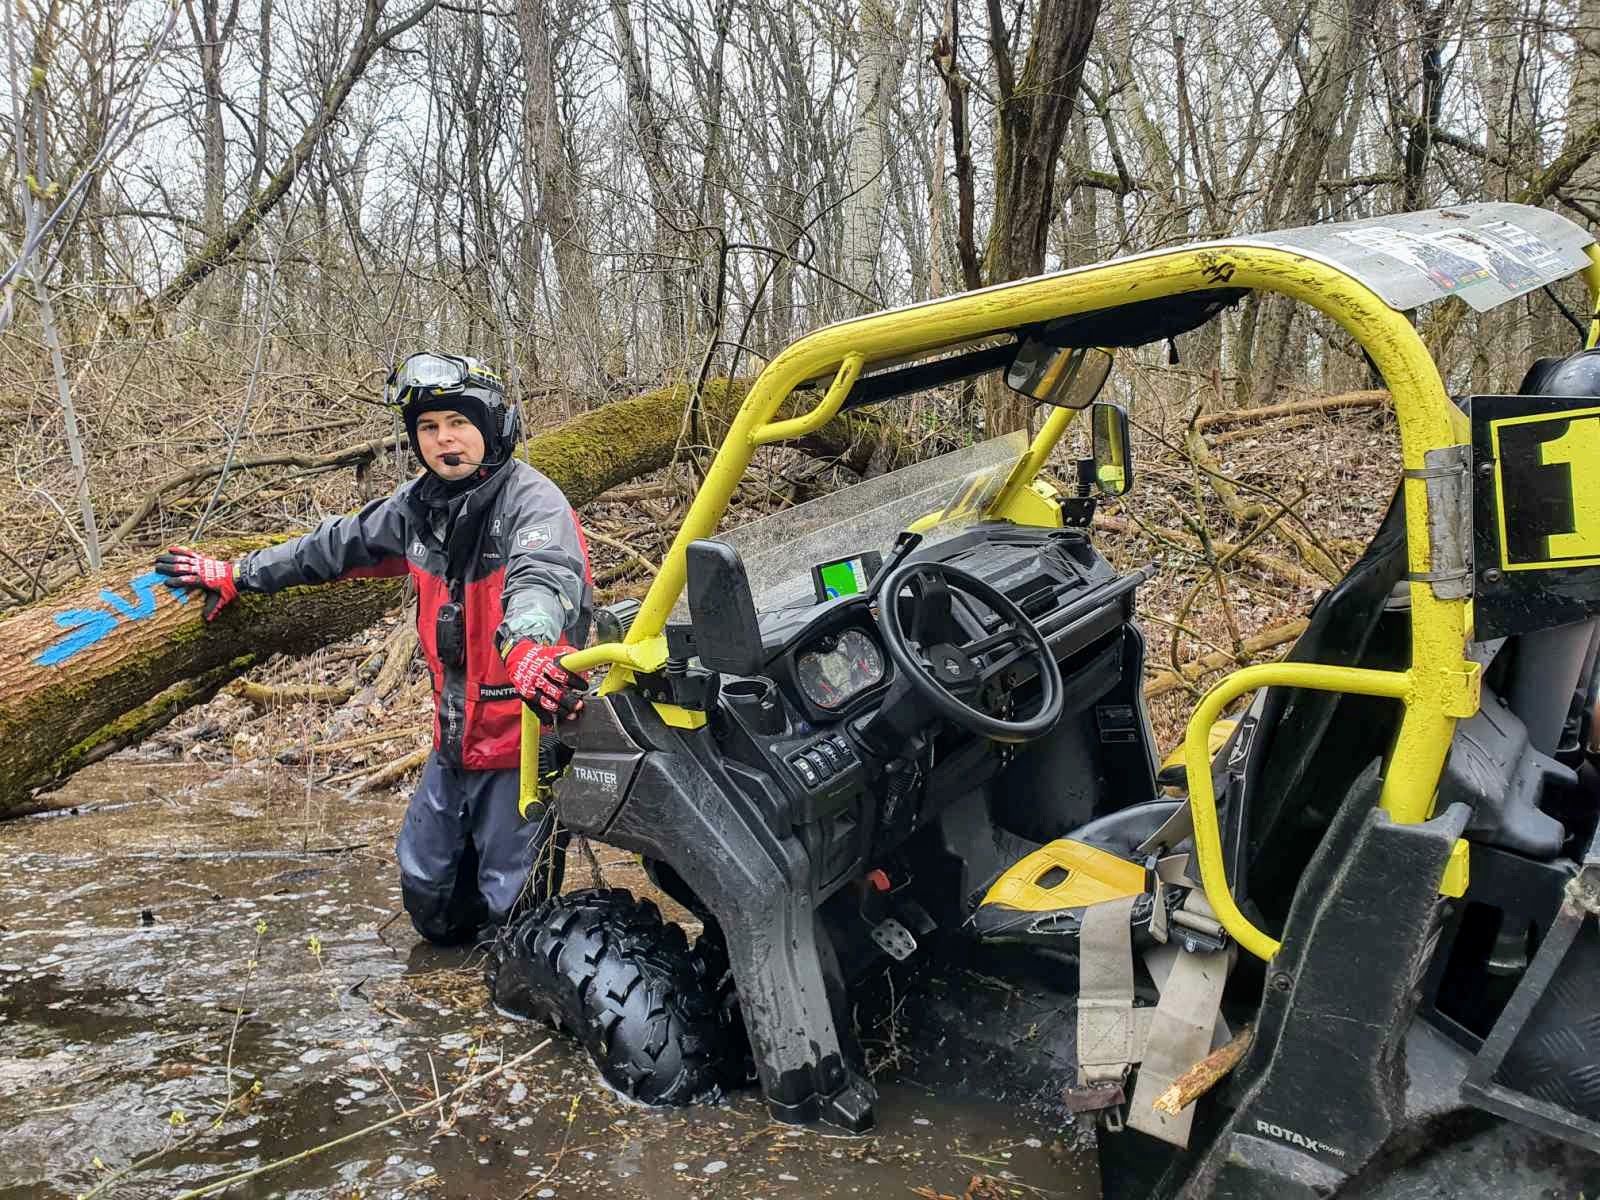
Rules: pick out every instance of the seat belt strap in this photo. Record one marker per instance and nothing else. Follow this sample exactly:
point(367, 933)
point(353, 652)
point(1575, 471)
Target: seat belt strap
point(1108, 1039)
point(1171, 871)
point(1186, 1025)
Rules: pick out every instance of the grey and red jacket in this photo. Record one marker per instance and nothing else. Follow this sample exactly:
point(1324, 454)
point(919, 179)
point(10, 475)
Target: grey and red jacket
point(510, 552)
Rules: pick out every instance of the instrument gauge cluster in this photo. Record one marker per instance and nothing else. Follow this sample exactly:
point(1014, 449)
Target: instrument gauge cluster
point(836, 668)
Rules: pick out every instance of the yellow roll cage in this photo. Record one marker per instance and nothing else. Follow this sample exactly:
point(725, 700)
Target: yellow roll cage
point(1440, 687)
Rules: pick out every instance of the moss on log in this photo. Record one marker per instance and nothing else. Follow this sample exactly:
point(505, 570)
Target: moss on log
point(133, 727)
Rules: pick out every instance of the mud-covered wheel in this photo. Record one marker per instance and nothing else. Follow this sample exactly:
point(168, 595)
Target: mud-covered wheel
point(606, 968)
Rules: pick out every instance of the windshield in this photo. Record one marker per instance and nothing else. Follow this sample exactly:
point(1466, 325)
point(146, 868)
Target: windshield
point(779, 551)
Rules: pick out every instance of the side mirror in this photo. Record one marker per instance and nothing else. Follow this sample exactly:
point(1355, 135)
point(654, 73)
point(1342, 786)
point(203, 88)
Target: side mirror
point(1065, 378)
point(722, 609)
point(1113, 450)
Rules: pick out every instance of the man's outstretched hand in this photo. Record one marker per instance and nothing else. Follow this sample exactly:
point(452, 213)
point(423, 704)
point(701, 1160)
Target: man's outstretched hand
point(187, 568)
point(540, 679)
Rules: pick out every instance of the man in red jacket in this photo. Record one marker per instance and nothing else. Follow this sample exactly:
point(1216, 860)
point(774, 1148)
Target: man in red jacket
point(503, 591)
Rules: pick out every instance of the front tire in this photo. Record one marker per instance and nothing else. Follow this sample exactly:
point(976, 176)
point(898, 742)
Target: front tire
point(606, 968)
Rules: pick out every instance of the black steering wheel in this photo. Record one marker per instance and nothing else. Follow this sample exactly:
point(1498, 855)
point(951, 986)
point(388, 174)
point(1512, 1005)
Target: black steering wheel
point(947, 675)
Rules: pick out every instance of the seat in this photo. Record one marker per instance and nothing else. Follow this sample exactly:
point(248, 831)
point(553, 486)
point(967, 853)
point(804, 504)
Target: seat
point(1042, 898)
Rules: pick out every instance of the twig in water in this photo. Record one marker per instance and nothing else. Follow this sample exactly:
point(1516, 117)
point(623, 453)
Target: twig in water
point(238, 1019)
point(138, 1164)
point(472, 1066)
point(220, 1185)
point(383, 1075)
point(438, 1099)
point(393, 917)
point(566, 1138)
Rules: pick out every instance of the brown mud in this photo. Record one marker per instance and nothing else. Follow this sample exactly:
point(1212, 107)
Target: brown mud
point(204, 965)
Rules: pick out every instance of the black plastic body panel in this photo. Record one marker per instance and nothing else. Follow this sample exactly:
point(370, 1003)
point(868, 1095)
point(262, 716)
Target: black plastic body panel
point(727, 835)
point(1540, 1066)
point(1494, 768)
point(1097, 760)
point(600, 772)
point(1310, 745)
point(1463, 996)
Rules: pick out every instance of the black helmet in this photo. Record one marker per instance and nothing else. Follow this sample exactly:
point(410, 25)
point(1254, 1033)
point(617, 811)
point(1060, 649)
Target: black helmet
point(1574, 375)
point(427, 382)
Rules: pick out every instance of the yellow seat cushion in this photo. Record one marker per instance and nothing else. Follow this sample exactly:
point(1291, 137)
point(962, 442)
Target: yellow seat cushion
point(1093, 876)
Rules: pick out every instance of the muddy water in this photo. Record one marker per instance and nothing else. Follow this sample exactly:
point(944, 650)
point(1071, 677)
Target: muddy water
point(187, 941)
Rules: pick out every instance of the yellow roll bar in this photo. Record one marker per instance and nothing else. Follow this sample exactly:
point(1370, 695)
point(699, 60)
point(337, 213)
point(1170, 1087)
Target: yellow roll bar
point(1197, 762)
point(1591, 276)
point(1427, 418)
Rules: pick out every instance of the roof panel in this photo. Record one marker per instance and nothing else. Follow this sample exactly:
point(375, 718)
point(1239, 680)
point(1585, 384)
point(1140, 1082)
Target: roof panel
point(1484, 253)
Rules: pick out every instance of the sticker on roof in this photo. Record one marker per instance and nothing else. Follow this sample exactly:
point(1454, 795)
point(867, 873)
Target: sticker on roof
point(1486, 254)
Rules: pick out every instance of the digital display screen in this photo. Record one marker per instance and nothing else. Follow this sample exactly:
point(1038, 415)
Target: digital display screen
point(846, 577)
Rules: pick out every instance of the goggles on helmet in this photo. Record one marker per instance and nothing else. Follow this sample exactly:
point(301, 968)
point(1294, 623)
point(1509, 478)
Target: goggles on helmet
point(438, 374)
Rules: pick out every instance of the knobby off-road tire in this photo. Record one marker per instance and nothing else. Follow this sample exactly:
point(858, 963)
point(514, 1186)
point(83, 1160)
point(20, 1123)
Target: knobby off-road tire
point(605, 967)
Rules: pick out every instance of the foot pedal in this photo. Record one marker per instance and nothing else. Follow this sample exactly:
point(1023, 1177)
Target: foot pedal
point(894, 939)
point(914, 917)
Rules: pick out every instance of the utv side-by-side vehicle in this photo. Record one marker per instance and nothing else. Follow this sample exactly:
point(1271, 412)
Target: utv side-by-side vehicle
point(905, 722)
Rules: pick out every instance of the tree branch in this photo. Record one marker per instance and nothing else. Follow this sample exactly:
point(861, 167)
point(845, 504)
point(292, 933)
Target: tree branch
point(222, 247)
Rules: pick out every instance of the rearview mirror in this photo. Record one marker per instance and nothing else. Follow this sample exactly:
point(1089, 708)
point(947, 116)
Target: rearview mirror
point(722, 609)
point(1113, 450)
point(1056, 376)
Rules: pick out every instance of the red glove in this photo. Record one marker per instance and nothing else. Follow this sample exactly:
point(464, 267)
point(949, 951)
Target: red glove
point(540, 679)
point(185, 568)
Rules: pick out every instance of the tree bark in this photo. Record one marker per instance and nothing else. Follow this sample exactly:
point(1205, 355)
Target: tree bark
point(1035, 106)
point(545, 146)
point(879, 63)
point(1583, 98)
point(666, 194)
point(1339, 34)
point(946, 57)
point(99, 667)
point(1431, 23)
point(212, 32)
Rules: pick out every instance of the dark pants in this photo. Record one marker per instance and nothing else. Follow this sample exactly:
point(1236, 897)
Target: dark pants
point(467, 859)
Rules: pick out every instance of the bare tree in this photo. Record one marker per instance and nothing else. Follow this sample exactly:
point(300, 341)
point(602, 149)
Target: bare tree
point(1034, 108)
point(881, 46)
point(559, 212)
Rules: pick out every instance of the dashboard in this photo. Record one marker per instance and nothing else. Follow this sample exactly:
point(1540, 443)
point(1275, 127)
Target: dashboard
point(828, 656)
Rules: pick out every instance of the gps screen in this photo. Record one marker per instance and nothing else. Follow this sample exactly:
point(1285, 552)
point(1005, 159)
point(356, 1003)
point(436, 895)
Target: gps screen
point(842, 577)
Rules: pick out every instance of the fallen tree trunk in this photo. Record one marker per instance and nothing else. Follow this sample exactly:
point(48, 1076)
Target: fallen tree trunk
point(119, 655)
point(1267, 639)
point(1372, 398)
point(1269, 564)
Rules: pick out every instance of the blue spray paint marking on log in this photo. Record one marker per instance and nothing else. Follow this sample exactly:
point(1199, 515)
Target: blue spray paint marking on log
point(90, 626)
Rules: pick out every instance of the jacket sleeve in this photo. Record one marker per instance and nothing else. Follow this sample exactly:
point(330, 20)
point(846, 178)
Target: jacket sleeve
point(546, 594)
point(366, 543)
